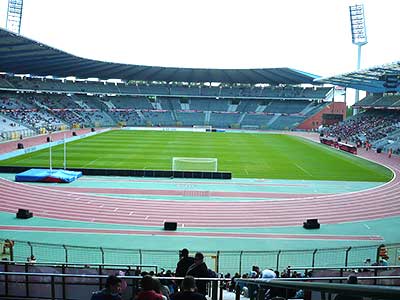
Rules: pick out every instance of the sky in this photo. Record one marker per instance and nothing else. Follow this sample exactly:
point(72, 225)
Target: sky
point(309, 35)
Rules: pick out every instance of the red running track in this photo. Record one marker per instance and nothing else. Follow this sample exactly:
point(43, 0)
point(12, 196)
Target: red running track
point(46, 202)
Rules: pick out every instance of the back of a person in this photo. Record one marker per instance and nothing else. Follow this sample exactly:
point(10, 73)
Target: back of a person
point(188, 295)
point(149, 295)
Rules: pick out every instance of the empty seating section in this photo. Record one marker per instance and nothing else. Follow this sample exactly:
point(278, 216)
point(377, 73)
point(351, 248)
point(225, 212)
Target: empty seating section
point(224, 120)
point(248, 105)
point(257, 120)
point(184, 90)
point(128, 118)
point(131, 102)
point(100, 103)
point(160, 118)
point(190, 118)
point(285, 106)
point(209, 104)
point(286, 122)
point(387, 100)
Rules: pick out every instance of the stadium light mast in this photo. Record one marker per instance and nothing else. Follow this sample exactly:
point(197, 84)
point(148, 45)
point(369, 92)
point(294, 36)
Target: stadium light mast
point(14, 15)
point(358, 36)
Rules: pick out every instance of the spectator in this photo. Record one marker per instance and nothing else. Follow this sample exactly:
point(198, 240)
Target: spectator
point(184, 263)
point(199, 270)
point(111, 291)
point(148, 292)
point(188, 291)
point(352, 279)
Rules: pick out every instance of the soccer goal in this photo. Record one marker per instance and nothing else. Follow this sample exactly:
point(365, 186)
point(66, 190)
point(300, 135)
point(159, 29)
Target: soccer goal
point(202, 128)
point(195, 164)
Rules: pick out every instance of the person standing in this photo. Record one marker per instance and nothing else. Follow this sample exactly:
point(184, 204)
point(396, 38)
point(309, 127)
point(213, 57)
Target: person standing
point(199, 270)
point(184, 263)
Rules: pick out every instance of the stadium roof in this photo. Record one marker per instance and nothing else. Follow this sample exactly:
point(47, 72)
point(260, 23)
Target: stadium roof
point(20, 55)
point(379, 79)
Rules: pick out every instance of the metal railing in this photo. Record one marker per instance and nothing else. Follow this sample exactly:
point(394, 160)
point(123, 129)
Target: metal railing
point(80, 286)
point(380, 292)
point(220, 261)
point(63, 286)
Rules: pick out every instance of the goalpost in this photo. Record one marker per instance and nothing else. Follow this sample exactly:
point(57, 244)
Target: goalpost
point(203, 164)
point(202, 128)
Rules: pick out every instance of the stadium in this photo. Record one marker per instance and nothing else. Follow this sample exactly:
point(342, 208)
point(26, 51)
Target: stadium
point(109, 166)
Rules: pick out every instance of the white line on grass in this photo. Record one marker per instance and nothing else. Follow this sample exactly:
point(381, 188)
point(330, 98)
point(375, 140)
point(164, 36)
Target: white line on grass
point(304, 170)
point(92, 162)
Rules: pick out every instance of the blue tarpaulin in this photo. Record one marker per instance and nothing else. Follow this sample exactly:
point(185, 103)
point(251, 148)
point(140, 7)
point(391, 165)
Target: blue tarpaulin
point(47, 175)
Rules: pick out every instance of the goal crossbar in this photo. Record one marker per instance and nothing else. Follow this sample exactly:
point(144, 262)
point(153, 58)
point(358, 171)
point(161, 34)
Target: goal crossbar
point(206, 164)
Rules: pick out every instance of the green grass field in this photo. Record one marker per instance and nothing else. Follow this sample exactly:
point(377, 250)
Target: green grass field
point(246, 155)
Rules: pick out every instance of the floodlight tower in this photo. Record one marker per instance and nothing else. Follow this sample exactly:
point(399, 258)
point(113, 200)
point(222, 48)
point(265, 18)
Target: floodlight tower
point(14, 15)
point(358, 36)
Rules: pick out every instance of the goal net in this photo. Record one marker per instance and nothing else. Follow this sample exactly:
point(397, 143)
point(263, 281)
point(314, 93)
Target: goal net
point(195, 164)
point(203, 128)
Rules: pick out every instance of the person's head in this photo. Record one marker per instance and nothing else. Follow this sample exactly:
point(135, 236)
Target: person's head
point(184, 253)
point(188, 283)
point(113, 283)
point(352, 279)
point(157, 285)
point(198, 258)
point(147, 283)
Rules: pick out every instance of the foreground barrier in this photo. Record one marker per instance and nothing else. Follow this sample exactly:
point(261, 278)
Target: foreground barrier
point(220, 261)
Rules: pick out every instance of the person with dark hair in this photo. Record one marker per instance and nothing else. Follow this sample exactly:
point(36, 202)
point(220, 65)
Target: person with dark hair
point(199, 270)
point(112, 291)
point(188, 291)
point(148, 292)
point(352, 279)
point(185, 261)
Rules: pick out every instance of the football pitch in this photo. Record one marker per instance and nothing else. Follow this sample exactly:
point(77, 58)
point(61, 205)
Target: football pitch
point(246, 155)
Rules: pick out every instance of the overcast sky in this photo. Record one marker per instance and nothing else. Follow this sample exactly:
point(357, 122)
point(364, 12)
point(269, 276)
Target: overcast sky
point(309, 35)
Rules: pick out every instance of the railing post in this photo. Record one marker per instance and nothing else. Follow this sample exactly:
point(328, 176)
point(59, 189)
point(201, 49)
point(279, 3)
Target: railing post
point(140, 259)
point(221, 289)
point(237, 291)
point(6, 280)
point(277, 260)
point(64, 293)
point(347, 257)
point(31, 247)
point(53, 288)
point(240, 262)
point(101, 279)
point(27, 280)
point(313, 258)
point(66, 253)
point(102, 255)
point(214, 290)
point(217, 262)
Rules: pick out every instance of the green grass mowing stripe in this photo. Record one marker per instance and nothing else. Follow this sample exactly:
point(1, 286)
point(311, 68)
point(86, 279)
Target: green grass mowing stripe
point(245, 155)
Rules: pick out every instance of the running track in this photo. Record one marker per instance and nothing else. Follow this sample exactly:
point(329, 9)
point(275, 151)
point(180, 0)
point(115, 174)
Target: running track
point(46, 202)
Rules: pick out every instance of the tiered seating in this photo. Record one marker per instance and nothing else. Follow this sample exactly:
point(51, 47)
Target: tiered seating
point(127, 102)
point(209, 104)
point(190, 118)
point(256, 120)
point(286, 106)
point(224, 120)
point(286, 122)
point(162, 118)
